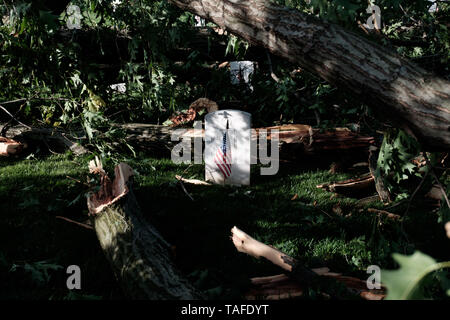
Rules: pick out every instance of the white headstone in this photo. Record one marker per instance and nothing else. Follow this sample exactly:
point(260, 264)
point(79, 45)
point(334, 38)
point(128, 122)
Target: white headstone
point(227, 152)
point(240, 71)
point(199, 21)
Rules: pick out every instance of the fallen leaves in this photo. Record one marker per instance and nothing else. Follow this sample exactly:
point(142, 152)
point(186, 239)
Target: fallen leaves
point(403, 283)
point(196, 107)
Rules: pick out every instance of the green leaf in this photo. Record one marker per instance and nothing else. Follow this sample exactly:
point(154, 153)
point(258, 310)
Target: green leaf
point(403, 283)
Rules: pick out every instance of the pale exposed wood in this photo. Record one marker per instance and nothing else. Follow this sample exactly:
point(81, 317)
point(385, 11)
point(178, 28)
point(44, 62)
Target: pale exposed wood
point(192, 181)
point(394, 87)
point(10, 147)
point(246, 244)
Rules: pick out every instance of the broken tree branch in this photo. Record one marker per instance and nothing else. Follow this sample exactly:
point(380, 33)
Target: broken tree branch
point(390, 84)
point(246, 244)
point(192, 181)
point(139, 256)
point(84, 225)
point(350, 187)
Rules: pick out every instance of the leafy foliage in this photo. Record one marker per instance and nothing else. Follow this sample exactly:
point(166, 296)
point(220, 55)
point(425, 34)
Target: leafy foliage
point(395, 160)
point(60, 77)
point(139, 43)
point(410, 280)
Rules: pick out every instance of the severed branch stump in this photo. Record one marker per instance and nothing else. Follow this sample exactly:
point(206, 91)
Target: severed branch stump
point(139, 256)
point(10, 147)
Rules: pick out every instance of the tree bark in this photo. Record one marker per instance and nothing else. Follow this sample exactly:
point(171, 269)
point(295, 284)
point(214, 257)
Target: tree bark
point(295, 140)
point(394, 87)
point(139, 256)
point(55, 139)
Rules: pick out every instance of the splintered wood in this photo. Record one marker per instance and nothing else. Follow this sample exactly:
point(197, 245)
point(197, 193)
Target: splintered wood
point(109, 192)
point(9, 147)
point(246, 244)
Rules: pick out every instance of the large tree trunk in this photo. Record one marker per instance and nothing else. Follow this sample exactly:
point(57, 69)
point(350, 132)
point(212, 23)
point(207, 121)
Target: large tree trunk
point(139, 256)
point(296, 141)
point(395, 88)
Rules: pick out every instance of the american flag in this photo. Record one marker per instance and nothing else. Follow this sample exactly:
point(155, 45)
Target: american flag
point(223, 156)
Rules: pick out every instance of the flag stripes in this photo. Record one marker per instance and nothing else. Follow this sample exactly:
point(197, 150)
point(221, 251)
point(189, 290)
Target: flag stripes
point(223, 157)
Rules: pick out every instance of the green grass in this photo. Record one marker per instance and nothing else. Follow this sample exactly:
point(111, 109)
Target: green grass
point(33, 192)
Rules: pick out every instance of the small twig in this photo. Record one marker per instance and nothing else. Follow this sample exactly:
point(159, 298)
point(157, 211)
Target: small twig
point(415, 192)
point(76, 180)
point(436, 178)
point(406, 14)
point(185, 191)
point(9, 114)
point(187, 168)
point(363, 27)
point(14, 101)
point(84, 225)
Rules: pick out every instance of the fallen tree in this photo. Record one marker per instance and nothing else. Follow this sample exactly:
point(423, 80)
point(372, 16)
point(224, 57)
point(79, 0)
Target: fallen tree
point(394, 87)
point(138, 255)
point(141, 258)
point(295, 140)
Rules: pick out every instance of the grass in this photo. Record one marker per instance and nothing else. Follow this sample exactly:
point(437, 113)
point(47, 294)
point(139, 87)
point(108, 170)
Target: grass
point(33, 242)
